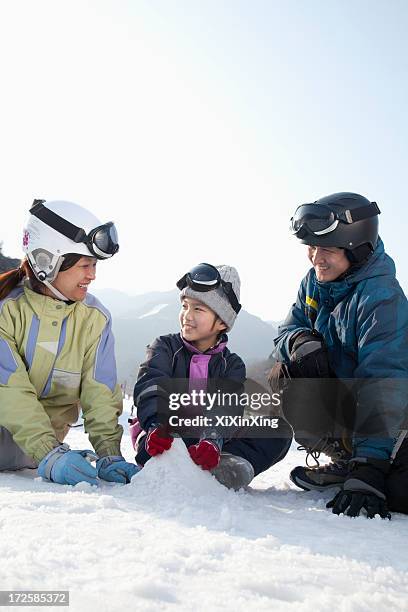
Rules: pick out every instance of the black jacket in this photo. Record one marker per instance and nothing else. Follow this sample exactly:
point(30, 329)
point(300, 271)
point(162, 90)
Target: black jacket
point(168, 359)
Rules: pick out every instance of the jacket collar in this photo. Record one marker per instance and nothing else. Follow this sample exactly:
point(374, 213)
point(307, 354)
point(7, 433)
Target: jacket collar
point(44, 305)
point(213, 350)
point(379, 264)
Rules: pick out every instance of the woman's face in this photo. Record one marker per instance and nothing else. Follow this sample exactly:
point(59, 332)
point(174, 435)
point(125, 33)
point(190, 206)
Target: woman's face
point(74, 282)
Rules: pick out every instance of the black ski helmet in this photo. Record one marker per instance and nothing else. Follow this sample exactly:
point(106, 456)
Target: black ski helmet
point(345, 220)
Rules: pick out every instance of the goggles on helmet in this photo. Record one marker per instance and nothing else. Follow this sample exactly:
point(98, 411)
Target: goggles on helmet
point(102, 241)
point(320, 219)
point(206, 277)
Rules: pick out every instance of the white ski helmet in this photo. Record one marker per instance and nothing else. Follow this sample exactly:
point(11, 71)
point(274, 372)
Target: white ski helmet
point(57, 228)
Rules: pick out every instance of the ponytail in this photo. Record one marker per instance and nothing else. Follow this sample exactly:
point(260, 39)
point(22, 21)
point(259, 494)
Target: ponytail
point(9, 280)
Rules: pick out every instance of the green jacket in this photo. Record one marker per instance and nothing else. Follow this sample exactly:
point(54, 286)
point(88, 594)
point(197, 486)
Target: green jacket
point(56, 358)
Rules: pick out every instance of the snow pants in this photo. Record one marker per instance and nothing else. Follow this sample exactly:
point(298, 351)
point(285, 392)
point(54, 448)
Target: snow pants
point(262, 453)
point(11, 456)
point(397, 481)
point(328, 408)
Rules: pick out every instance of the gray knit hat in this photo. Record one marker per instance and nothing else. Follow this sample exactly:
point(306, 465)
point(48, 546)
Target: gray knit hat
point(217, 299)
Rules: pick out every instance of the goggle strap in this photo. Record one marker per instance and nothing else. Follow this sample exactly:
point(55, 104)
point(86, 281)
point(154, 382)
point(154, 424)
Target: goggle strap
point(233, 300)
point(228, 290)
point(182, 283)
point(47, 216)
point(364, 212)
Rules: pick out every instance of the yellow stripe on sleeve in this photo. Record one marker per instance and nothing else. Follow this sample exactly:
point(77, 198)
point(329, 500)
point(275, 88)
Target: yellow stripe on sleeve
point(311, 302)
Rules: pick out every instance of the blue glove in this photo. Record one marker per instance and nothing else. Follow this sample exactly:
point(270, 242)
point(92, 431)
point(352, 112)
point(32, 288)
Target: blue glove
point(66, 466)
point(116, 469)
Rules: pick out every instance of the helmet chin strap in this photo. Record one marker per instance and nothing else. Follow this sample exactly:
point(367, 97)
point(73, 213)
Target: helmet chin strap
point(41, 275)
point(55, 291)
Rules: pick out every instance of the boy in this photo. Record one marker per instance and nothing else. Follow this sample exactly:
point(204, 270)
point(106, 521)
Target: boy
point(199, 355)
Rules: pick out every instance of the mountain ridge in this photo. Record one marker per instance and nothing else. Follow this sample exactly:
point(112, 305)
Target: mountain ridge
point(142, 320)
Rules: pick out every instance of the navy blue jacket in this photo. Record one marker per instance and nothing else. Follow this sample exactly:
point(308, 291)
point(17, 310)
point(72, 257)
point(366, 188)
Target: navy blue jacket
point(167, 358)
point(364, 322)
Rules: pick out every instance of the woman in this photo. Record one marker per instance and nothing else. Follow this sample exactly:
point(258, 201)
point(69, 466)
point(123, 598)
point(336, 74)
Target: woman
point(57, 351)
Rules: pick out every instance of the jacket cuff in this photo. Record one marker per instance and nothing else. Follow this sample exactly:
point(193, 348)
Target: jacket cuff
point(356, 485)
point(152, 422)
point(294, 334)
point(41, 450)
point(112, 450)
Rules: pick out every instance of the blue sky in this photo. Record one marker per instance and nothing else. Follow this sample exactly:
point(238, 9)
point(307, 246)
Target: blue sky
point(200, 126)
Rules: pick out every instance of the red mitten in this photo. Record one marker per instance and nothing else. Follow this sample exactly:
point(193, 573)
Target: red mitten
point(157, 441)
point(205, 453)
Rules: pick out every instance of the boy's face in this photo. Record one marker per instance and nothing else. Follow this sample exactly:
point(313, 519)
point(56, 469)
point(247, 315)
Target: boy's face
point(199, 324)
point(329, 262)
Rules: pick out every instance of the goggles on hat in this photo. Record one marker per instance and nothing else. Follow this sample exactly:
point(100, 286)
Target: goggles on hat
point(102, 241)
point(320, 219)
point(206, 277)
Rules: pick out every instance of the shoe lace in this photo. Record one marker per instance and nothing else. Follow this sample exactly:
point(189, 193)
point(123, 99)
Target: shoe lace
point(311, 453)
point(326, 445)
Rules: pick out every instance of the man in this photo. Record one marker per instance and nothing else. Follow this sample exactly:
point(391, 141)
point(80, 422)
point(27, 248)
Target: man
point(343, 359)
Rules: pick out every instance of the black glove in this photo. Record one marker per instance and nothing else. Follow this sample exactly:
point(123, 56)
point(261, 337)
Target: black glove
point(278, 376)
point(308, 356)
point(364, 488)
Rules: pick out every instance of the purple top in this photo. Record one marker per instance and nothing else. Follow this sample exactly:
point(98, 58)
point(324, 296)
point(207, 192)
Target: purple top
point(198, 374)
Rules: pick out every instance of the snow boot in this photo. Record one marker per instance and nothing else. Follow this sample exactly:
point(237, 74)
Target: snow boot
point(320, 478)
point(233, 472)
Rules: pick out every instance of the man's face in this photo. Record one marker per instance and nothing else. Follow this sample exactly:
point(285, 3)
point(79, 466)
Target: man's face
point(329, 262)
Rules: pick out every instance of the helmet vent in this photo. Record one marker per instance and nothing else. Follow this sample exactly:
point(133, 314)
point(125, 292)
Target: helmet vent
point(42, 258)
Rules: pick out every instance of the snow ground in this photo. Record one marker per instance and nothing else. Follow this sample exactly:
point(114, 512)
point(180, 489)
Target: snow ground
point(175, 539)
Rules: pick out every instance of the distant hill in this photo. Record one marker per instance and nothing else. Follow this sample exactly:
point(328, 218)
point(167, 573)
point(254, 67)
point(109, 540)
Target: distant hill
point(7, 263)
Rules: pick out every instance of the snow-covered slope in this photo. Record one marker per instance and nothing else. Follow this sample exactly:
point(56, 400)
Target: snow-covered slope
point(175, 539)
point(153, 311)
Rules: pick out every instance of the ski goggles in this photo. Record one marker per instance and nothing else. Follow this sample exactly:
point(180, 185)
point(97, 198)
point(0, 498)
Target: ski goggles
point(320, 219)
point(206, 277)
point(102, 241)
